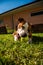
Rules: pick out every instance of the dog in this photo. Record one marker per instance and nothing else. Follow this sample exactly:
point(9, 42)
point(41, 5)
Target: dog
point(23, 30)
point(19, 33)
point(27, 28)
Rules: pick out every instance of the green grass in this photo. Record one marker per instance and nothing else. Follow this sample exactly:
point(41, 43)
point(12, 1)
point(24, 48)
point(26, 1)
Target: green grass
point(38, 34)
point(19, 52)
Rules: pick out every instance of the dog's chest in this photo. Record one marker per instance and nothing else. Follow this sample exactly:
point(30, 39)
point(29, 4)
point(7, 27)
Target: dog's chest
point(25, 26)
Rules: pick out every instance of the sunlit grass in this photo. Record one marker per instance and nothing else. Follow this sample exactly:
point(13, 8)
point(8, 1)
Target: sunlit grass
point(20, 52)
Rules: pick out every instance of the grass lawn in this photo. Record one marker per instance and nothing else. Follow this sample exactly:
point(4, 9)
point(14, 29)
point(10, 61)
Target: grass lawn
point(21, 53)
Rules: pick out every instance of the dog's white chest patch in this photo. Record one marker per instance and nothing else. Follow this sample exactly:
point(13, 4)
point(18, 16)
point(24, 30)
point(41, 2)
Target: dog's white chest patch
point(26, 26)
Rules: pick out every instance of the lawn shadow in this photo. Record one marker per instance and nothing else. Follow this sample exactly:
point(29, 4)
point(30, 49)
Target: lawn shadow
point(37, 39)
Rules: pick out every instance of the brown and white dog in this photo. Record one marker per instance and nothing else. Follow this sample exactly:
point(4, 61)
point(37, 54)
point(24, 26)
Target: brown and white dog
point(26, 31)
point(22, 30)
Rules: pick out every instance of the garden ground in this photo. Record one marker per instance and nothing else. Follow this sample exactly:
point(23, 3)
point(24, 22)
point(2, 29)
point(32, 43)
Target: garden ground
point(19, 52)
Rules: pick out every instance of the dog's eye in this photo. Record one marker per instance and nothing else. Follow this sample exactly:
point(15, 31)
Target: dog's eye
point(23, 27)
